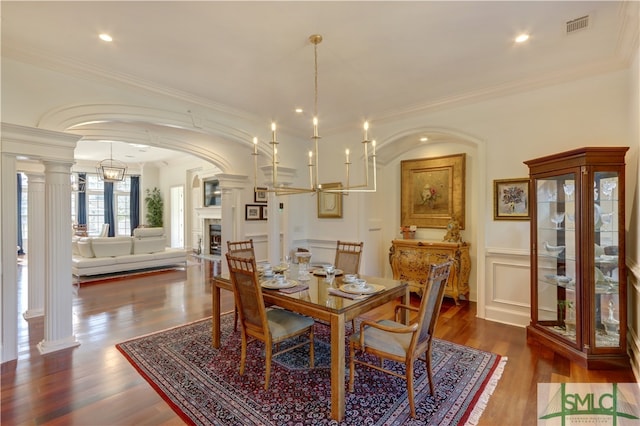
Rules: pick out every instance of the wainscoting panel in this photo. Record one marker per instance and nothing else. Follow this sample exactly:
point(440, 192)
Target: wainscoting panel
point(507, 288)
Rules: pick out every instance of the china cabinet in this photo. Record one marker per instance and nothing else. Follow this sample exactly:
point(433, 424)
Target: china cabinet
point(410, 261)
point(578, 278)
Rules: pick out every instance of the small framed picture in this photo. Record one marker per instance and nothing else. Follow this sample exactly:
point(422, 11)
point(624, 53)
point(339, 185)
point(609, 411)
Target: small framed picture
point(330, 203)
point(264, 213)
point(252, 212)
point(511, 199)
point(260, 195)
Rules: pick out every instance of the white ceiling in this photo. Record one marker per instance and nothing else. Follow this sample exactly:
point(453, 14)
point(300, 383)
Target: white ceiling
point(378, 59)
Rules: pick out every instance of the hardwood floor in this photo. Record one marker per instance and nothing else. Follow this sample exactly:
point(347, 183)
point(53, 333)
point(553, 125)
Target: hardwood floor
point(94, 384)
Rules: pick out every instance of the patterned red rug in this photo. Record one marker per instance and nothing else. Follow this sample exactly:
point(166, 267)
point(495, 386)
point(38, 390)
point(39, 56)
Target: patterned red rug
point(203, 386)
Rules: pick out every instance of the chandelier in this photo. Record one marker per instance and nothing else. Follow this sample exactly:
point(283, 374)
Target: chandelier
point(314, 163)
point(110, 170)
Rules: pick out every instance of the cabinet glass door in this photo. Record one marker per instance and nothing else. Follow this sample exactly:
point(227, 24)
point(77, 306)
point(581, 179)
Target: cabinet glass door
point(556, 255)
point(606, 278)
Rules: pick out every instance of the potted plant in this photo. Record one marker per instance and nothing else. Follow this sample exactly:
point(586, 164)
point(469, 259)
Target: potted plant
point(155, 207)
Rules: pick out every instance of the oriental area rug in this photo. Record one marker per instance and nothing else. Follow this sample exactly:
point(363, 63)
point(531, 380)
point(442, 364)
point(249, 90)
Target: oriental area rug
point(203, 385)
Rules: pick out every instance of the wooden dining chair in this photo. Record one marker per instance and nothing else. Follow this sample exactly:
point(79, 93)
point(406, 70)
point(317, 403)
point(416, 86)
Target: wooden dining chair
point(271, 326)
point(241, 249)
point(348, 256)
point(348, 259)
point(395, 341)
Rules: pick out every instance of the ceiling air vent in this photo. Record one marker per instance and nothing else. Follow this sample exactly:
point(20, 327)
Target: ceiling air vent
point(577, 24)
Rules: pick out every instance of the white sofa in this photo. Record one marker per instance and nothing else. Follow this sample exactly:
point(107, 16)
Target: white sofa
point(109, 255)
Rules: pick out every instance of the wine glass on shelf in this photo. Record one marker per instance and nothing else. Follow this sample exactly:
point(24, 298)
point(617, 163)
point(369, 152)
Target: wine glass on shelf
point(607, 188)
point(557, 218)
point(606, 218)
point(569, 188)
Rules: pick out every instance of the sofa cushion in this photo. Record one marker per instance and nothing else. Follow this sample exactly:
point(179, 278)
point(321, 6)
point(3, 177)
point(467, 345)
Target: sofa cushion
point(135, 259)
point(148, 232)
point(87, 262)
point(148, 245)
point(84, 247)
point(111, 246)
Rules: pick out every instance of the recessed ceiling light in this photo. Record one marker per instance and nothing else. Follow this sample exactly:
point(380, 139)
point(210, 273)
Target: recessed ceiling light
point(105, 37)
point(299, 110)
point(138, 145)
point(522, 38)
point(424, 139)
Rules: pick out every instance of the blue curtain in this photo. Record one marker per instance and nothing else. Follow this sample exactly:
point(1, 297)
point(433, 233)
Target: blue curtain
point(134, 203)
point(108, 208)
point(82, 199)
point(20, 249)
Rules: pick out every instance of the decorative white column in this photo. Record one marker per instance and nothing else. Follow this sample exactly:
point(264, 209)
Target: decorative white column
point(35, 255)
point(58, 321)
point(9, 288)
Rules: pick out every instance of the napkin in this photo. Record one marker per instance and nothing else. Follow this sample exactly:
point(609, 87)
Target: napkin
point(336, 292)
point(299, 287)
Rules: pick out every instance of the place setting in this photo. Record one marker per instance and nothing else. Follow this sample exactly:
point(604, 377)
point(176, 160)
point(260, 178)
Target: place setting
point(355, 288)
point(280, 282)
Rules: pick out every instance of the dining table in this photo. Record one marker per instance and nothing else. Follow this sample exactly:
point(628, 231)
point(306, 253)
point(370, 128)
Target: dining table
point(325, 299)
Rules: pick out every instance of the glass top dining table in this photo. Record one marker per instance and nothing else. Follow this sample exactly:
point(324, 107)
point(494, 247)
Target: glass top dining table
point(314, 297)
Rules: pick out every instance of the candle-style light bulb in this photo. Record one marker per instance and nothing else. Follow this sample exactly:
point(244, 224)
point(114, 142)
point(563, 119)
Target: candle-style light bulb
point(347, 153)
point(273, 132)
point(310, 158)
point(366, 130)
point(373, 144)
point(255, 145)
point(315, 126)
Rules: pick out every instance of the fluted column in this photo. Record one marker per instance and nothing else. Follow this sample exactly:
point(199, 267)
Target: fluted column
point(9, 288)
point(35, 254)
point(58, 304)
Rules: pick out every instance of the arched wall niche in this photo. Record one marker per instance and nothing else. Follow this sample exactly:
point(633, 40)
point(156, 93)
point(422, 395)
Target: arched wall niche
point(406, 144)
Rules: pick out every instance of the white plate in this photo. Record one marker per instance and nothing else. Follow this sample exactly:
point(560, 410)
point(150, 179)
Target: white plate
point(368, 289)
point(274, 285)
point(322, 273)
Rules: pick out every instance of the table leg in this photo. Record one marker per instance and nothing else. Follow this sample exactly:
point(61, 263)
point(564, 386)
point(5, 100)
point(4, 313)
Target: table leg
point(337, 367)
point(215, 315)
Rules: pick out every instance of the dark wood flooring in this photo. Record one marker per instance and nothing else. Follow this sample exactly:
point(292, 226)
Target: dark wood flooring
point(94, 384)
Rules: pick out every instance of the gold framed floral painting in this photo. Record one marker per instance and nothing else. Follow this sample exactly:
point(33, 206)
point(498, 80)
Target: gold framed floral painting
point(433, 191)
point(511, 199)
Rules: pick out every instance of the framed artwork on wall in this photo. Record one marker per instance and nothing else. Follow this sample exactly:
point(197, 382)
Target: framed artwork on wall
point(212, 193)
point(511, 199)
point(330, 203)
point(433, 191)
point(260, 195)
point(252, 212)
point(264, 213)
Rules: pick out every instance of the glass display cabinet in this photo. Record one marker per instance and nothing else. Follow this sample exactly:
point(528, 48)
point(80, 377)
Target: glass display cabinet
point(578, 278)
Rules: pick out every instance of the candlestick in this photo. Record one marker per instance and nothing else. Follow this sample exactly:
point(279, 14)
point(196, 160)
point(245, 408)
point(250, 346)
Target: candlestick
point(255, 145)
point(366, 130)
point(273, 132)
point(373, 144)
point(315, 126)
point(347, 153)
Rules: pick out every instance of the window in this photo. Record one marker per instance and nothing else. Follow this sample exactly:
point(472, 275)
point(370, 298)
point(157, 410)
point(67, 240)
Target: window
point(24, 217)
point(95, 205)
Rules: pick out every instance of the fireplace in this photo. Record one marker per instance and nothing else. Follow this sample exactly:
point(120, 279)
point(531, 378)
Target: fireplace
point(215, 239)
